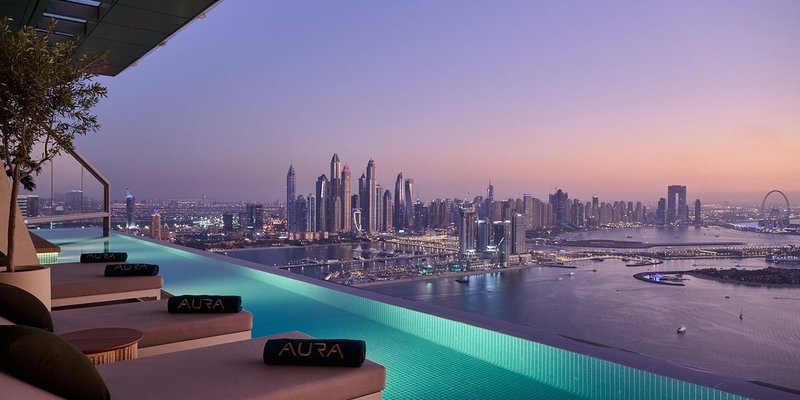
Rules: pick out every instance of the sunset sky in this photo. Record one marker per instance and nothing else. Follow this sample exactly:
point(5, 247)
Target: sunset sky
point(618, 98)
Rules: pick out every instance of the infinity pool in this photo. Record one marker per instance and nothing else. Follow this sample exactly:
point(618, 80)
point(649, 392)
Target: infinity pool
point(426, 356)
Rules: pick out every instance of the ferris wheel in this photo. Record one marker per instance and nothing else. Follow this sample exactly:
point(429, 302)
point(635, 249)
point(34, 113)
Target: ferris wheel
point(772, 215)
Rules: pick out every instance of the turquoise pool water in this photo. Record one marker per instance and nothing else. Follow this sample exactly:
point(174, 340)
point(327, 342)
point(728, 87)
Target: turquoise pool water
point(426, 357)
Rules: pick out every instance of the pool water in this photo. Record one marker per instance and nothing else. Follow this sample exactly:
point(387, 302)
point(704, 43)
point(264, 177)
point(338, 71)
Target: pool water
point(425, 356)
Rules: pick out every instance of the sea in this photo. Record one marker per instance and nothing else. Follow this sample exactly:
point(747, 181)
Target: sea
point(602, 302)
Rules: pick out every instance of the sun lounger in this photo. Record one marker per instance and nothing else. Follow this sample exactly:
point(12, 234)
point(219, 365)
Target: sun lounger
point(82, 283)
point(228, 371)
point(237, 371)
point(163, 332)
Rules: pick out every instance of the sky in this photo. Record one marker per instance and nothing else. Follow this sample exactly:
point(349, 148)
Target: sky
point(618, 99)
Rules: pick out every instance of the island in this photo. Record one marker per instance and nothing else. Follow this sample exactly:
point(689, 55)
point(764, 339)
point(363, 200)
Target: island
point(765, 276)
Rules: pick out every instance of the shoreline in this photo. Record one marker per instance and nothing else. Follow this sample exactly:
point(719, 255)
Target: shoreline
point(700, 275)
point(285, 247)
point(744, 283)
point(440, 276)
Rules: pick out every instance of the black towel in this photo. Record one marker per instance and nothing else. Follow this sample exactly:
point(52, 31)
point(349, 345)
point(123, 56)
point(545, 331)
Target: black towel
point(204, 304)
point(323, 352)
point(103, 257)
point(131, 270)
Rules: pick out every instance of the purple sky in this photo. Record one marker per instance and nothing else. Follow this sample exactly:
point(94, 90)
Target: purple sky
point(615, 98)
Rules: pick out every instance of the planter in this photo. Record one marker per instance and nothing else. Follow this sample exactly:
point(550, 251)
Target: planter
point(35, 279)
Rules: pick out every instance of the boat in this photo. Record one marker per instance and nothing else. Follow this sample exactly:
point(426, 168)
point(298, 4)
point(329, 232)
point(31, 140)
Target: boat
point(741, 314)
point(682, 329)
point(571, 274)
point(463, 279)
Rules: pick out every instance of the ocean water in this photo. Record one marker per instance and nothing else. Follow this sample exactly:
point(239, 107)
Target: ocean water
point(610, 307)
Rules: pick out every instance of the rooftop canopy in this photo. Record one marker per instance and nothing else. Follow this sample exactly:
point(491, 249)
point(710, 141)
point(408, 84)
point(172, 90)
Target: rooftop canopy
point(126, 29)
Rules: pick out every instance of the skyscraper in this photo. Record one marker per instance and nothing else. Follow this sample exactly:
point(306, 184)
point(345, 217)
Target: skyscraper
point(661, 212)
point(517, 234)
point(379, 223)
point(698, 219)
point(311, 213)
point(291, 212)
point(490, 191)
point(227, 223)
point(466, 229)
point(74, 201)
point(255, 216)
point(409, 203)
point(355, 201)
point(371, 203)
point(155, 225)
point(483, 235)
point(335, 199)
point(387, 211)
point(362, 194)
point(130, 210)
point(399, 203)
point(560, 201)
point(677, 210)
point(322, 203)
point(347, 209)
point(502, 239)
point(301, 213)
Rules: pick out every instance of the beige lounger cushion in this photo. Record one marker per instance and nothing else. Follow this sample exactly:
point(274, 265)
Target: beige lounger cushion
point(13, 388)
point(77, 279)
point(236, 371)
point(151, 317)
point(81, 279)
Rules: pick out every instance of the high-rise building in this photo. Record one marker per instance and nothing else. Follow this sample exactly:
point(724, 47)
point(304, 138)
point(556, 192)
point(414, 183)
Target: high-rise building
point(362, 195)
point(301, 212)
point(335, 199)
point(661, 212)
point(409, 203)
point(155, 225)
point(420, 216)
point(677, 210)
point(482, 234)
point(28, 205)
point(560, 201)
point(379, 208)
point(130, 210)
point(291, 209)
point(227, 223)
point(322, 203)
point(503, 240)
point(371, 219)
point(399, 203)
point(311, 213)
point(466, 229)
point(74, 201)
point(388, 213)
point(698, 219)
point(255, 216)
point(347, 208)
point(355, 201)
point(490, 192)
point(518, 234)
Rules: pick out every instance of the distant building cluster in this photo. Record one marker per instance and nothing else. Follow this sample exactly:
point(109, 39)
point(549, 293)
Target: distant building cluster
point(335, 208)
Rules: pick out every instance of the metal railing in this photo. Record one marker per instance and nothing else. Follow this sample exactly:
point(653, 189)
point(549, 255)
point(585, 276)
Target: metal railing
point(105, 215)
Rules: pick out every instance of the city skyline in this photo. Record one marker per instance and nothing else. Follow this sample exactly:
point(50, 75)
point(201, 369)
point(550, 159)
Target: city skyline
point(611, 99)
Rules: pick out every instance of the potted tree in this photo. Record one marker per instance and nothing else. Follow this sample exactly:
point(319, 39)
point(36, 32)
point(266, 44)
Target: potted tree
point(46, 95)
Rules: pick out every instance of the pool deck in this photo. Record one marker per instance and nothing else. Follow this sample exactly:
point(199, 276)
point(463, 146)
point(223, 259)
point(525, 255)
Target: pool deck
point(722, 382)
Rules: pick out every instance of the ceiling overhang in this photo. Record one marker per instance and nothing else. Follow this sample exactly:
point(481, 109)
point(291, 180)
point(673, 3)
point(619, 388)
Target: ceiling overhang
point(125, 30)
